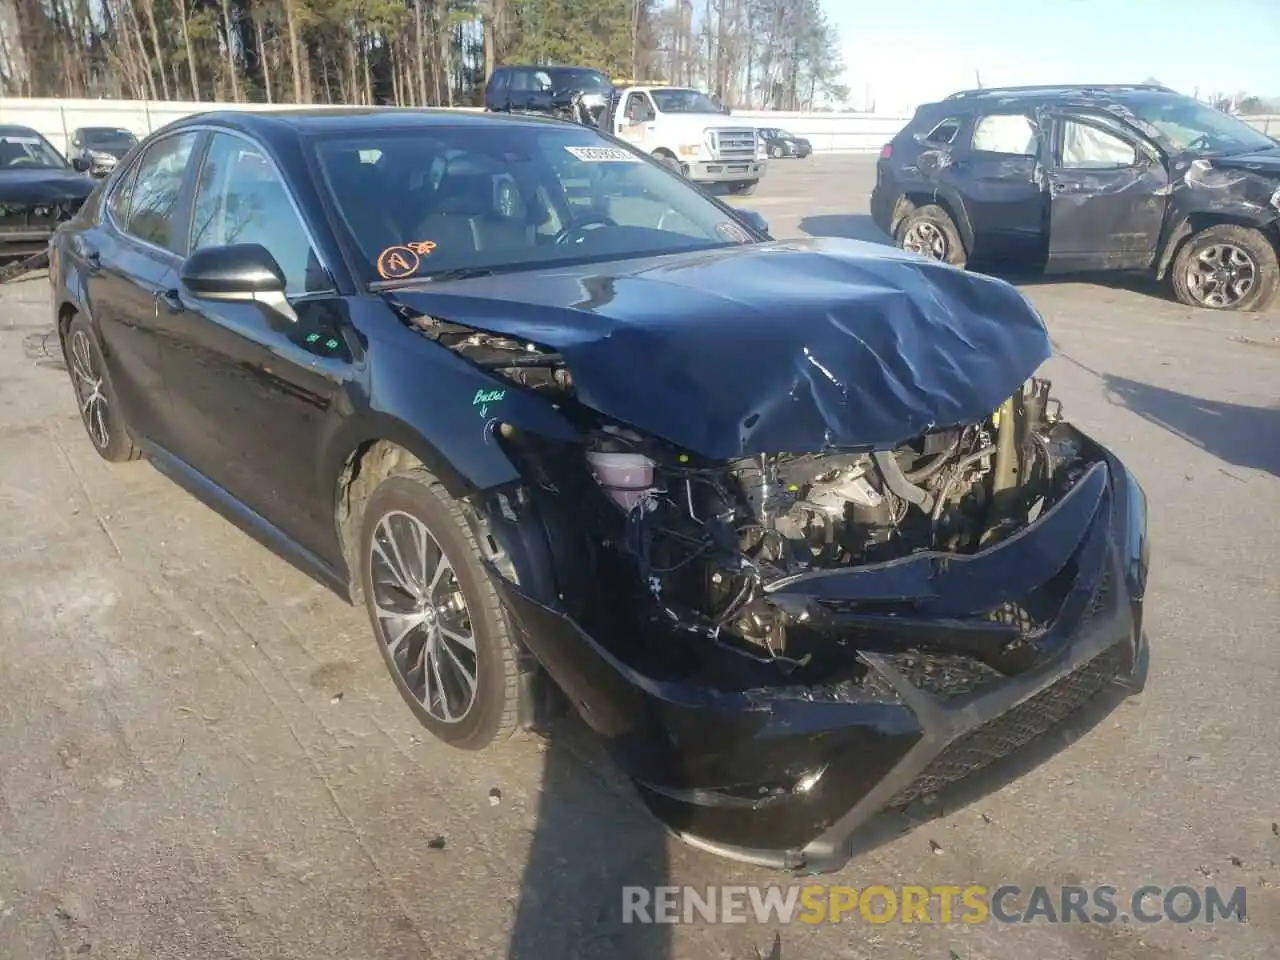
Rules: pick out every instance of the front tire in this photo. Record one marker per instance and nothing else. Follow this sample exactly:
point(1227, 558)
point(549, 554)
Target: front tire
point(1226, 267)
point(930, 232)
point(669, 161)
point(744, 189)
point(99, 409)
point(438, 620)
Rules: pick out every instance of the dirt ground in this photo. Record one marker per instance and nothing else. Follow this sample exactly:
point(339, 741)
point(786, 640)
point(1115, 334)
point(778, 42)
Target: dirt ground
point(200, 754)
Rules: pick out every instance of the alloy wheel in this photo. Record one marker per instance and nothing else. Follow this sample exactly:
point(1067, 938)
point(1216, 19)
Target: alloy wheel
point(422, 616)
point(925, 239)
point(88, 383)
point(1221, 275)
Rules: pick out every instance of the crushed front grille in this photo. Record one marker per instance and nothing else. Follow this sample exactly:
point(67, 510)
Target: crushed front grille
point(944, 674)
point(1014, 729)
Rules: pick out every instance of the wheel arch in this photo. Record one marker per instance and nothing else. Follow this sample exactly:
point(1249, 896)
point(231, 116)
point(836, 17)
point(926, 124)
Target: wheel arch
point(913, 200)
point(1187, 226)
point(377, 447)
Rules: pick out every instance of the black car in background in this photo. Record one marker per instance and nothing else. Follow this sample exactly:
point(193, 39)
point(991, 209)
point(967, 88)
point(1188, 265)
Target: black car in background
point(97, 150)
point(1071, 179)
point(38, 190)
point(781, 144)
point(524, 393)
point(538, 88)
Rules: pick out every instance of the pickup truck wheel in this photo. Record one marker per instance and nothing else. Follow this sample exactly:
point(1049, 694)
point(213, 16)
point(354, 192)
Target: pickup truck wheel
point(669, 161)
point(437, 617)
point(930, 232)
point(1226, 267)
point(743, 189)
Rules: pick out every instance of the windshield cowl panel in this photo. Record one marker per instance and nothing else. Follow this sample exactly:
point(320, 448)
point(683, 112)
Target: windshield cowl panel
point(450, 200)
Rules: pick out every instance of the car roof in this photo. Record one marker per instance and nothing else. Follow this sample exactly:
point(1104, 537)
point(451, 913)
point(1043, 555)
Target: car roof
point(292, 124)
point(17, 128)
point(1069, 94)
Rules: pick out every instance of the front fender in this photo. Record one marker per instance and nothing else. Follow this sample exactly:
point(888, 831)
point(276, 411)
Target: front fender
point(445, 411)
point(1223, 210)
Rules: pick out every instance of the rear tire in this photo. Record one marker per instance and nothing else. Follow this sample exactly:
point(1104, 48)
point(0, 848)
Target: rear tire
point(1226, 267)
point(436, 615)
point(99, 408)
point(930, 232)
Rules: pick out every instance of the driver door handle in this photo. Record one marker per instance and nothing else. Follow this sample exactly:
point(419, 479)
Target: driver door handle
point(171, 299)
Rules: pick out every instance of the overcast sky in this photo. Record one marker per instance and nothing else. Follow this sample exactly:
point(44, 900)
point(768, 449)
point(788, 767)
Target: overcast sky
point(903, 54)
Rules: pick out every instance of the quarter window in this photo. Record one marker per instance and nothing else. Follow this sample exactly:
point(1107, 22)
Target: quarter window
point(1086, 147)
point(1012, 134)
point(122, 196)
point(154, 202)
point(944, 132)
point(240, 198)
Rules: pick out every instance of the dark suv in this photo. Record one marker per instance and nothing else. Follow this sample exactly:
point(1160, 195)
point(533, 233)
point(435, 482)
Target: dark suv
point(535, 88)
point(1070, 179)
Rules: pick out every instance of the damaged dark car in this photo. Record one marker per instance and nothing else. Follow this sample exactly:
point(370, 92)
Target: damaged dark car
point(793, 525)
point(1082, 179)
point(38, 190)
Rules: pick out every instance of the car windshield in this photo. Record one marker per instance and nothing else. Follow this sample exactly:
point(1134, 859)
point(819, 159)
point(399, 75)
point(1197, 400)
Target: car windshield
point(1195, 127)
point(27, 149)
point(677, 100)
point(108, 137)
point(493, 197)
point(588, 81)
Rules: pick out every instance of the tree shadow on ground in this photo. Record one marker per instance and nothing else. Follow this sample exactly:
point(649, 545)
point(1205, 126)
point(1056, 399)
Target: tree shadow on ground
point(1245, 436)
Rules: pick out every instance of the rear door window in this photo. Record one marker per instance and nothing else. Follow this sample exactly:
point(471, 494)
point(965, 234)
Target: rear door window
point(153, 207)
point(1008, 134)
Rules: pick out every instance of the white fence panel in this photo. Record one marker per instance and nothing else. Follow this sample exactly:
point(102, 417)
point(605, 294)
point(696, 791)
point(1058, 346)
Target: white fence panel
point(829, 132)
point(56, 119)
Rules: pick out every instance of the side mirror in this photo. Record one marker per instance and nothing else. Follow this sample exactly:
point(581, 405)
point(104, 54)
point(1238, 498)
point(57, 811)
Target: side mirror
point(80, 164)
point(753, 219)
point(240, 272)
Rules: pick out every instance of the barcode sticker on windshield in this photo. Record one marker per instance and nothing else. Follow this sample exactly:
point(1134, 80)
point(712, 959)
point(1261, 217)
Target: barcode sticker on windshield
point(603, 155)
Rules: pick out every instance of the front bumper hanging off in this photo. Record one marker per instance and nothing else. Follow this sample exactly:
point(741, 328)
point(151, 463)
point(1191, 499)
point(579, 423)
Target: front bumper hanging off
point(799, 778)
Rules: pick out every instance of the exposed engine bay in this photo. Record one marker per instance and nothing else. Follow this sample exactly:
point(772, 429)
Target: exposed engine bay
point(696, 545)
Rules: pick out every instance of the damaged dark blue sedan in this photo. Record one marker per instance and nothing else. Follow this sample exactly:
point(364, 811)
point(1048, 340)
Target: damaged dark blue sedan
point(793, 525)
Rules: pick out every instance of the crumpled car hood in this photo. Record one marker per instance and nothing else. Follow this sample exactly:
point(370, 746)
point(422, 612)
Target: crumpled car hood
point(788, 346)
point(1265, 162)
point(36, 185)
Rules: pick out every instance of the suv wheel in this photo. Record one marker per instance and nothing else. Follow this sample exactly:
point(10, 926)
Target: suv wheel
point(1226, 267)
point(930, 232)
point(438, 620)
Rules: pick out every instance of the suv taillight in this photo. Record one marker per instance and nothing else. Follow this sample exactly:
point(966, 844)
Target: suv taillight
point(886, 152)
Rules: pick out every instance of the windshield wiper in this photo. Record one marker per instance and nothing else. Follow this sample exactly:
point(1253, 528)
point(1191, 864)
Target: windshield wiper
point(457, 273)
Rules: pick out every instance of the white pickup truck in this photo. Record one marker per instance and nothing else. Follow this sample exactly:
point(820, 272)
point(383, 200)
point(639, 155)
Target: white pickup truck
point(686, 130)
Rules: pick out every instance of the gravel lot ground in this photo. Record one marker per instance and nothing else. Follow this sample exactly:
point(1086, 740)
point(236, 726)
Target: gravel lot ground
point(200, 755)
